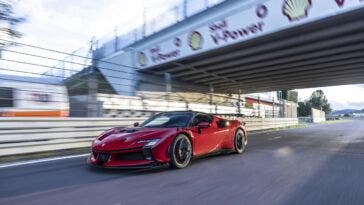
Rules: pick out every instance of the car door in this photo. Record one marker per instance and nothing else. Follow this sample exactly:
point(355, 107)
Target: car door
point(207, 139)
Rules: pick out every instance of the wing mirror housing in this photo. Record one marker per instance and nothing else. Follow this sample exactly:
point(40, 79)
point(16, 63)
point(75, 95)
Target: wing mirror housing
point(136, 124)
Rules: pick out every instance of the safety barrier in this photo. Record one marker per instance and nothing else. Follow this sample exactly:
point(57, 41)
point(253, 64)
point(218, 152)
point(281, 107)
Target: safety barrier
point(254, 124)
point(31, 135)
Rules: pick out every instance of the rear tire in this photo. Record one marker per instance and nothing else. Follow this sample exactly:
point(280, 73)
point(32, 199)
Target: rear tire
point(240, 141)
point(180, 152)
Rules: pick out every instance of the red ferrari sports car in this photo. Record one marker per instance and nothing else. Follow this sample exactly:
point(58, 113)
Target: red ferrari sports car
point(168, 137)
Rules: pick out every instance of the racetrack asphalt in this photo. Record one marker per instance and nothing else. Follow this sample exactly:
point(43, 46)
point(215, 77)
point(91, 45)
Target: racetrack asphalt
point(319, 164)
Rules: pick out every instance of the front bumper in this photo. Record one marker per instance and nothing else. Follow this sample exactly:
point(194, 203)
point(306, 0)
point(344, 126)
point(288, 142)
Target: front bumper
point(146, 166)
point(137, 158)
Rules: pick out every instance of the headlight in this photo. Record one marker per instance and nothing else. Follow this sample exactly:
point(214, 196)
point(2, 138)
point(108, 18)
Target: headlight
point(149, 143)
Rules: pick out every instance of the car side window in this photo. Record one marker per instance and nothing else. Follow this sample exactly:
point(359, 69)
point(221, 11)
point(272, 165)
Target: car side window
point(201, 118)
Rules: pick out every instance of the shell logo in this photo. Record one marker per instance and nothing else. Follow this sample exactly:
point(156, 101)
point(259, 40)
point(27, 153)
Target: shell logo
point(195, 40)
point(296, 9)
point(142, 59)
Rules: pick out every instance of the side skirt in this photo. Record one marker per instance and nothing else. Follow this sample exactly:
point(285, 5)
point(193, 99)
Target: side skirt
point(214, 153)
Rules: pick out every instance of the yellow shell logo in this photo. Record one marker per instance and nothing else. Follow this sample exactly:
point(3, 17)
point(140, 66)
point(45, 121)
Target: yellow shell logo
point(296, 9)
point(142, 59)
point(195, 40)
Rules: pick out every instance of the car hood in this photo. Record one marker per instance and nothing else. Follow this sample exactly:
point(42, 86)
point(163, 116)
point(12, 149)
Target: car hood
point(126, 138)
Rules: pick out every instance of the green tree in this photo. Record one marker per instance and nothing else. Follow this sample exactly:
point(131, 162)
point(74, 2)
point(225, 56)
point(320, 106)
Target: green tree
point(8, 23)
point(319, 101)
point(304, 109)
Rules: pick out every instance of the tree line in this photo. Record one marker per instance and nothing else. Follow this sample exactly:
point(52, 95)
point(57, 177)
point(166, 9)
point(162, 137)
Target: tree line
point(318, 101)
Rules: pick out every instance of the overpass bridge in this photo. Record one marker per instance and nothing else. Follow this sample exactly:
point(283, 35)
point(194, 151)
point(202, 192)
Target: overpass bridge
point(251, 45)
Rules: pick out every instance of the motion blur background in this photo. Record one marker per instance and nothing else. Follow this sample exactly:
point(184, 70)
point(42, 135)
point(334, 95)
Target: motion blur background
point(51, 67)
point(69, 70)
point(54, 63)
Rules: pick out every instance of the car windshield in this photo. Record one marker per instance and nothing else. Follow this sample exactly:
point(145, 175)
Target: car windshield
point(173, 119)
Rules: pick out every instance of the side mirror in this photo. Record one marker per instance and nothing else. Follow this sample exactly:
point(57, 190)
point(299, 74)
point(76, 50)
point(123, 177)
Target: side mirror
point(136, 124)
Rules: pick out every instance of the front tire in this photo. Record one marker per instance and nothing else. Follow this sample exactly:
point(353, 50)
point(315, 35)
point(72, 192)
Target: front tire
point(240, 141)
point(180, 152)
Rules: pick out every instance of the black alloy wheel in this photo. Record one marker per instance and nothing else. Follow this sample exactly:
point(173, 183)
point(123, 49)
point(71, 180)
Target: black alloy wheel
point(180, 152)
point(240, 141)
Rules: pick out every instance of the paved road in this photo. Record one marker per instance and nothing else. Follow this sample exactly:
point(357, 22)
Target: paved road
point(322, 164)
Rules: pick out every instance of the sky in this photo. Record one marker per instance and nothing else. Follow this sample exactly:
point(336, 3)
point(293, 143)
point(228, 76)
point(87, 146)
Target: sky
point(67, 25)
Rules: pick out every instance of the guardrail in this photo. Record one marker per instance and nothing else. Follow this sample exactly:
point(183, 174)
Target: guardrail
point(32, 135)
point(255, 124)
